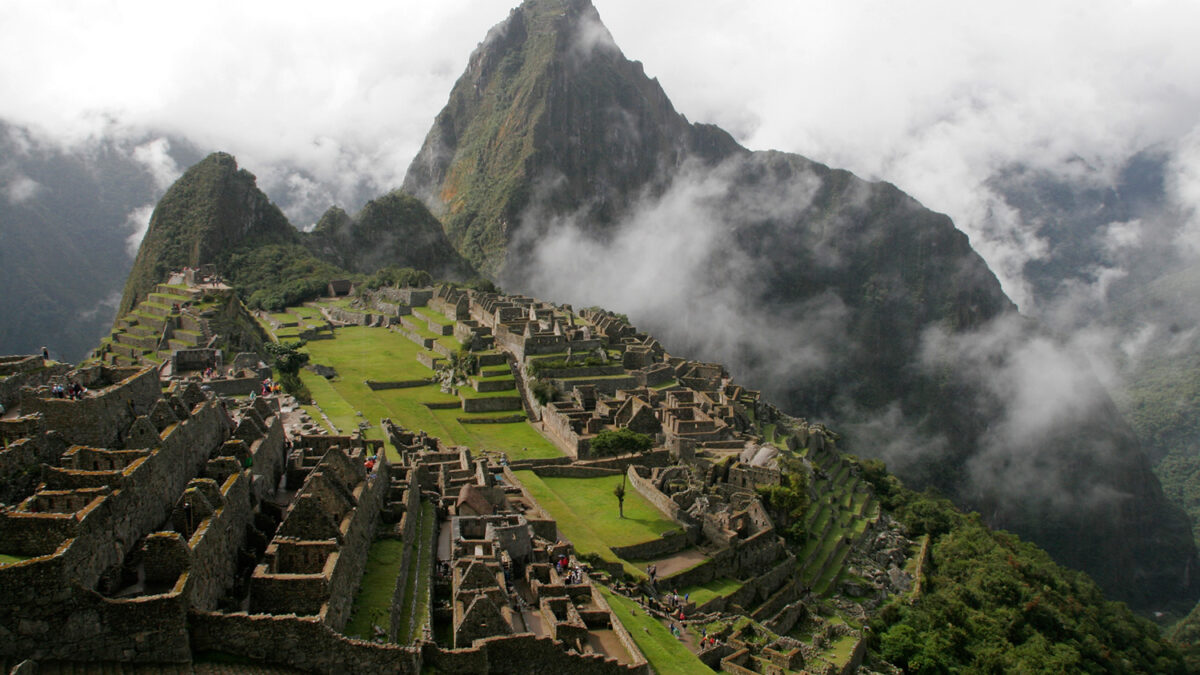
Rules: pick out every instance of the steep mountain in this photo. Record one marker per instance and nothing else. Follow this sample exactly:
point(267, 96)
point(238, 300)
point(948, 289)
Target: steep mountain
point(395, 229)
point(215, 214)
point(562, 169)
point(548, 103)
point(213, 209)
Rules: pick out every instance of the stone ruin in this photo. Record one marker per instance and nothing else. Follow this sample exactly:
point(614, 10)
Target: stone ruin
point(151, 526)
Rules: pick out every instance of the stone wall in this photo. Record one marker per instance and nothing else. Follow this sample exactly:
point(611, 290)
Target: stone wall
point(234, 386)
point(10, 386)
point(396, 384)
point(408, 529)
point(574, 471)
point(354, 549)
point(667, 544)
point(21, 363)
point(214, 545)
point(48, 616)
point(307, 644)
point(99, 418)
point(356, 317)
point(194, 359)
point(148, 493)
point(490, 403)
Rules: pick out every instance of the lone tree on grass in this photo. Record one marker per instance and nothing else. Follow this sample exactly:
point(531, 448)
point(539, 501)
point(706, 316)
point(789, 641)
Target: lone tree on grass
point(619, 491)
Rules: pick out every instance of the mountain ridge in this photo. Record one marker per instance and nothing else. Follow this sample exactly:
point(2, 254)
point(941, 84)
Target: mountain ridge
point(552, 143)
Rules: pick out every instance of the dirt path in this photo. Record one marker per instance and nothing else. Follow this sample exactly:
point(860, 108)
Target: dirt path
point(677, 562)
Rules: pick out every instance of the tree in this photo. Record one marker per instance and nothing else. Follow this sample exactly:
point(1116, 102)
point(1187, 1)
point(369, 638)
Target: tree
point(288, 357)
point(619, 492)
point(620, 442)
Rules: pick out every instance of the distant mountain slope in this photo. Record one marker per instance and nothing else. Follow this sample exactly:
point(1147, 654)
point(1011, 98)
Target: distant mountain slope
point(64, 220)
point(393, 230)
point(560, 167)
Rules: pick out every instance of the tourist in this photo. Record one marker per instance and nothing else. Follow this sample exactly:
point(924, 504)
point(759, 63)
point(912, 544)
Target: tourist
point(45, 353)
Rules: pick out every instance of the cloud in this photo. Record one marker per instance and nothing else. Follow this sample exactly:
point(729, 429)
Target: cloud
point(932, 96)
point(1045, 401)
point(673, 265)
point(138, 221)
point(311, 85)
point(154, 155)
point(20, 188)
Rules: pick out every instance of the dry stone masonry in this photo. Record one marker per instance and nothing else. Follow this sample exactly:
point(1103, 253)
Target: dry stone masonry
point(154, 517)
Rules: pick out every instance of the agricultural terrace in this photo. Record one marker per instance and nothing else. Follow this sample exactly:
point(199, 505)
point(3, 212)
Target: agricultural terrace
point(360, 353)
point(586, 512)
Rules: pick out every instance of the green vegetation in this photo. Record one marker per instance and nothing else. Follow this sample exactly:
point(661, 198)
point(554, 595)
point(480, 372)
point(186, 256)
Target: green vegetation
point(788, 502)
point(544, 392)
point(992, 603)
point(398, 277)
point(717, 588)
point(211, 211)
point(664, 651)
point(279, 276)
point(583, 509)
point(1162, 403)
point(360, 353)
point(372, 605)
point(6, 558)
point(620, 442)
point(393, 231)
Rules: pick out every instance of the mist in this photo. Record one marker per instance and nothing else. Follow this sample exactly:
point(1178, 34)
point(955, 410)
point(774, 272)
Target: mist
point(674, 266)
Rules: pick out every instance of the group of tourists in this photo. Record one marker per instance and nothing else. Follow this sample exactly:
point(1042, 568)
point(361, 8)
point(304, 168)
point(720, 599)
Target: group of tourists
point(371, 462)
point(73, 391)
point(269, 387)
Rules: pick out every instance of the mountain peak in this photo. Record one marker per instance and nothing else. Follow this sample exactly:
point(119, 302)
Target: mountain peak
point(210, 211)
point(549, 105)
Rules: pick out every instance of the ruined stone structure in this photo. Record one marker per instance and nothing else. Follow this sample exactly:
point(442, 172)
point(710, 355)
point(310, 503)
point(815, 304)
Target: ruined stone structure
point(154, 525)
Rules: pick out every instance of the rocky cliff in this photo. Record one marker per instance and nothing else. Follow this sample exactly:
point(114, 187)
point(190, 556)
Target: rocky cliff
point(560, 167)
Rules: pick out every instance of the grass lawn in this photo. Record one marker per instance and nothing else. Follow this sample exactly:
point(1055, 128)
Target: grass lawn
point(593, 500)
point(336, 408)
point(372, 605)
point(436, 317)
point(359, 353)
point(519, 440)
point(717, 588)
point(839, 650)
point(665, 653)
point(586, 511)
point(5, 558)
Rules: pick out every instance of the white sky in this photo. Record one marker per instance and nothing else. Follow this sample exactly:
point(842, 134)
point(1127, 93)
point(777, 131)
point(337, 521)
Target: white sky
point(932, 96)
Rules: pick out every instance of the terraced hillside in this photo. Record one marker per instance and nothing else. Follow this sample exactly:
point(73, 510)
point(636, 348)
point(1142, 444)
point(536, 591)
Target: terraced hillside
point(389, 372)
point(172, 317)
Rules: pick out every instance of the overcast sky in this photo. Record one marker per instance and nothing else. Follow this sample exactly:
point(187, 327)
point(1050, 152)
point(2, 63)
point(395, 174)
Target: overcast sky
point(932, 96)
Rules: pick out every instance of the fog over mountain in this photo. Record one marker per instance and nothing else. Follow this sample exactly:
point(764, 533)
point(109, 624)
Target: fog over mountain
point(1063, 140)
